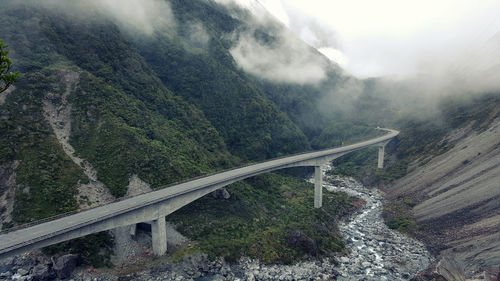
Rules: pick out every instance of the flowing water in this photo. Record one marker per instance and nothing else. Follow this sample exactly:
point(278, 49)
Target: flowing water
point(375, 251)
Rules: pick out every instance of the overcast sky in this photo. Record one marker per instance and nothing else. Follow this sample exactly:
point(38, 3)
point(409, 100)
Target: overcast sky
point(391, 37)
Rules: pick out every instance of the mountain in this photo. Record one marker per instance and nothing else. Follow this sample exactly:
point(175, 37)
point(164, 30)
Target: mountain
point(110, 101)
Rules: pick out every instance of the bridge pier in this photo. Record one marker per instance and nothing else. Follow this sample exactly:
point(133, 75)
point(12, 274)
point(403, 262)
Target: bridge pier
point(159, 236)
point(133, 229)
point(381, 150)
point(318, 187)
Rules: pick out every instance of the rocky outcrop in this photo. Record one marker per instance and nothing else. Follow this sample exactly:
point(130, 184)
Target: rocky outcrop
point(446, 269)
point(221, 194)
point(64, 265)
point(8, 188)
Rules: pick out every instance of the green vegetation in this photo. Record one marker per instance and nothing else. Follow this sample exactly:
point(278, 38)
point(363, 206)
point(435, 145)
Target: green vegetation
point(398, 215)
point(169, 107)
point(259, 217)
point(401, 224)
point(94, 249)
point(251, 125)
point(46, 176)
point(6, 76)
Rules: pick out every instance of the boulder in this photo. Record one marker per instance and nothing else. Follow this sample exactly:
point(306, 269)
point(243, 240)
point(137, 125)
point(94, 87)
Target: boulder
point(42, 272)
point(22, 271)
point(64, 265)
point(221, 194)
point(298, 239)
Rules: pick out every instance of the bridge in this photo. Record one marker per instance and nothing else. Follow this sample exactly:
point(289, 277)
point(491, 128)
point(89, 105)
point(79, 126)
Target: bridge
point(154, 206)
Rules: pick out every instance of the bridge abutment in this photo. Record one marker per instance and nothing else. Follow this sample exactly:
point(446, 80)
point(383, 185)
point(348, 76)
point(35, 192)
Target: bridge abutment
point(159, 236)
point(318, 187)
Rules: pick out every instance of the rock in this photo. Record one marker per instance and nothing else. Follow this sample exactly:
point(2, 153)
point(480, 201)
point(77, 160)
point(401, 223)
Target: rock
point(221, 194)
point(446, 269)
point(344, 259)
point(42, 272)
point(218, 277)
point(249, 277)
point(65, 265)
point(22, 271)
point(298, 239)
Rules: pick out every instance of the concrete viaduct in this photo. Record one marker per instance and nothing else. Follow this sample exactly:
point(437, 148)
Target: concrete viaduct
point(154, 206)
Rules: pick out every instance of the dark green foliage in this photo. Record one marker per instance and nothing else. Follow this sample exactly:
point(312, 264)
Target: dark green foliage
point(257, 219)
point(94, 249)
point(402, 224)
point(6, 76)
point(252, 126)
point(122, 136)
point(126, 121)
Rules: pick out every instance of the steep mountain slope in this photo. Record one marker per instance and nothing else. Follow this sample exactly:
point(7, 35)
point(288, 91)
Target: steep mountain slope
point(105, 101)
point(451, 199)
point(457, 197)
point(460, 197)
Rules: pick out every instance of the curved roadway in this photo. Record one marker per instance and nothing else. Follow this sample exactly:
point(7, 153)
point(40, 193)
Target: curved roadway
point(16, 240)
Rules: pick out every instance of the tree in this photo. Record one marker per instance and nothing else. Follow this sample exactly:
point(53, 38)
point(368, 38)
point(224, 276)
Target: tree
point(6, 77)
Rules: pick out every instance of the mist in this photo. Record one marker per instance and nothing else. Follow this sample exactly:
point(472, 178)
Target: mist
point(143, 16)
point(286, 60)
point(132, 16)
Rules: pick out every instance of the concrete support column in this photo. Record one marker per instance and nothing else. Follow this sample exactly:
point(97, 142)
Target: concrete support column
point(133, 229)
point(381, 157)
point(159, 236)
point(318, 187)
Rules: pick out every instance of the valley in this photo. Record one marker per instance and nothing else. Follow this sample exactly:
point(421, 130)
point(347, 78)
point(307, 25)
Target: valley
point(111, 103)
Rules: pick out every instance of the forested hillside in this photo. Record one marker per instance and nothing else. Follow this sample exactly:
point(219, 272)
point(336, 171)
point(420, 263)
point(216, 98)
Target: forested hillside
point(100, 100)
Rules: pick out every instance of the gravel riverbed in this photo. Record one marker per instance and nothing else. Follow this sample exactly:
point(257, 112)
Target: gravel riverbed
point(376, 252)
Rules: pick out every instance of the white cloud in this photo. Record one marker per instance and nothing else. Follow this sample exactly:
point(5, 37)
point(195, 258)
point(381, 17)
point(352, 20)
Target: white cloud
point(334, 55)
point(286, 60)
point(390, 37)
point(138, 15)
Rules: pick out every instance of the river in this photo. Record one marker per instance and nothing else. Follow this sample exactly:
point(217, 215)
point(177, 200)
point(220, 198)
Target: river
point(376, 252)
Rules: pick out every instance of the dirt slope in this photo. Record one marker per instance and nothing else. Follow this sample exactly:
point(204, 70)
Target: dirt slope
point(458, 199)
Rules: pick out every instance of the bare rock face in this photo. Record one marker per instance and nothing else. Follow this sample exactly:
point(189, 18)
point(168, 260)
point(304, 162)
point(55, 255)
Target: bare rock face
point(445, 269)
point(8, 188)
point(65, 265)
point(457, 198)
point(221, 194)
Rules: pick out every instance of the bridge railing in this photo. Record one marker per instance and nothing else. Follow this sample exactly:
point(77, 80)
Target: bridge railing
point(58, 216)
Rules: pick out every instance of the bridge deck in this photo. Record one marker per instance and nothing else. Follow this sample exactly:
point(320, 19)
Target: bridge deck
point(16, 239)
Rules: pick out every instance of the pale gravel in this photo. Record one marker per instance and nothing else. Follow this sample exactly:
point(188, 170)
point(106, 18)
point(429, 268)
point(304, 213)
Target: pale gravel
point(7, 198)
point(91, 194)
